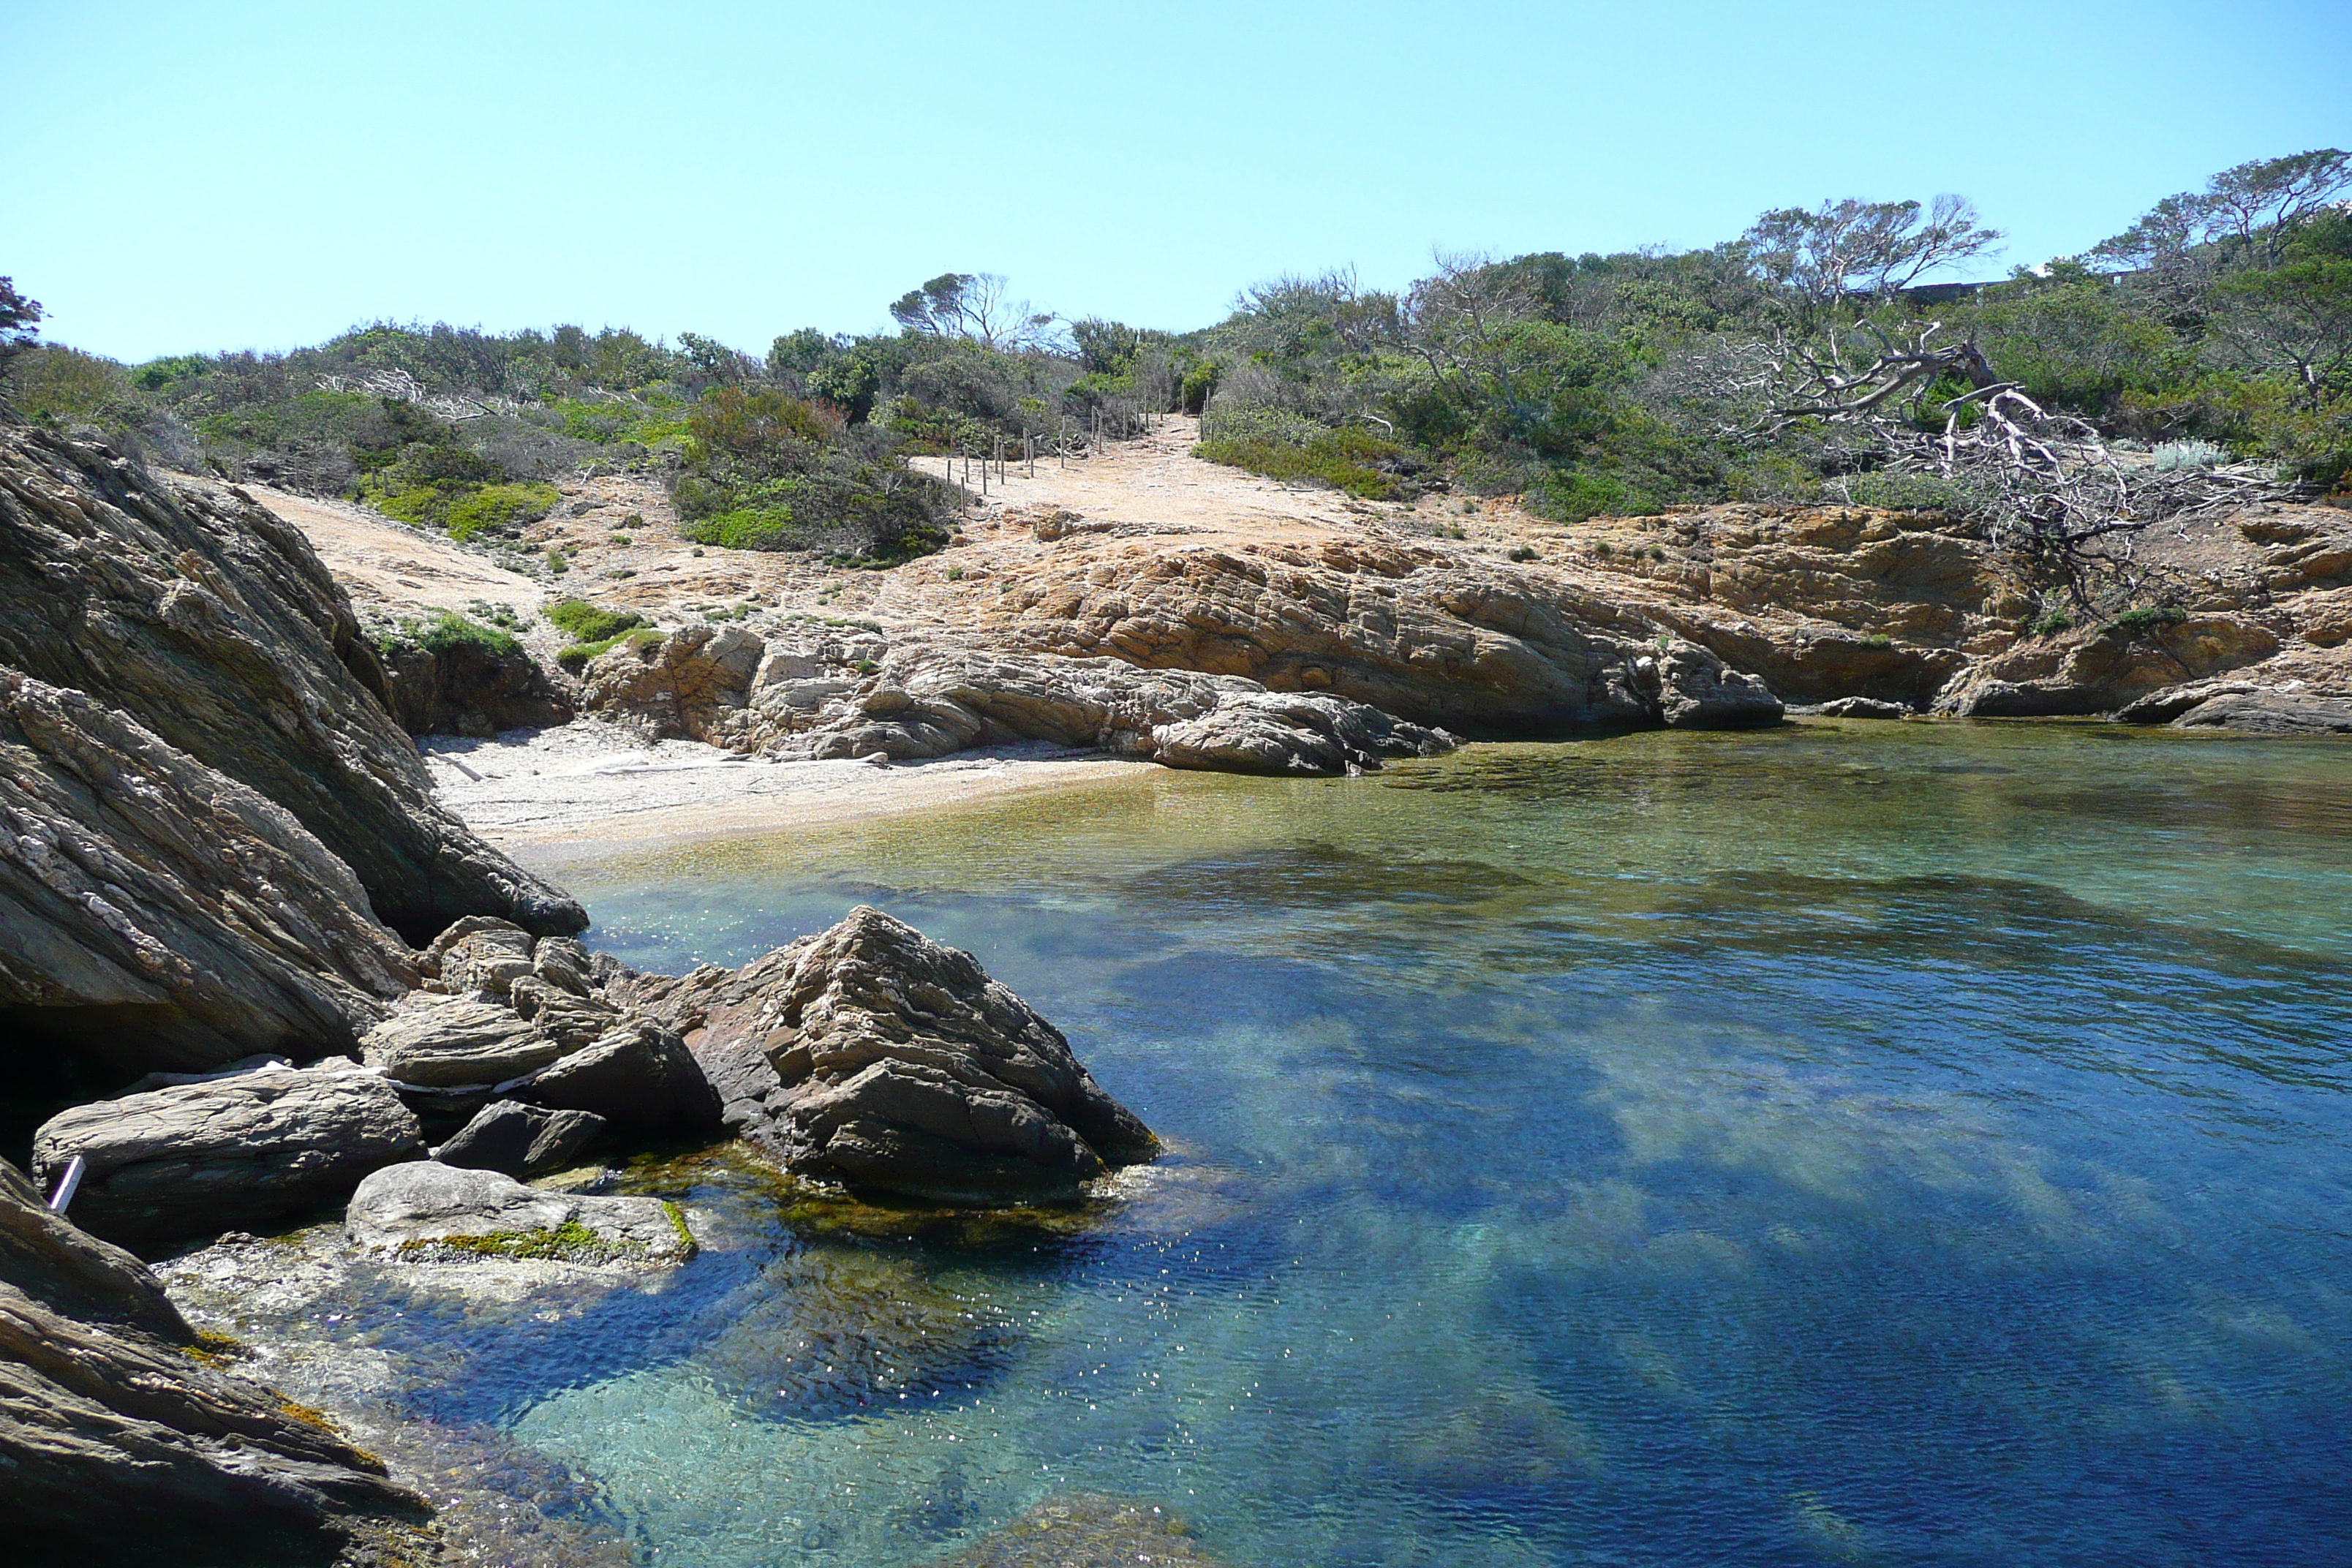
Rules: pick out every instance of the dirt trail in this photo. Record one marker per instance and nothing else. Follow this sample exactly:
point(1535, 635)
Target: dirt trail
point(391, 569)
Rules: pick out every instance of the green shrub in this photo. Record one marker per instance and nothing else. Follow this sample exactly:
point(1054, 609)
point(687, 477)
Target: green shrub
point(1297, 450)
point(2051, 624)
point(498, 506)
point(1522, 553)
point(448, 632)
point(583, 622)
point(1576, 495)
point(2141, 622)
point(576, 656)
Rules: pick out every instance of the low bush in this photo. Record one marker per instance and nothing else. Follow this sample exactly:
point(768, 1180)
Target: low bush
point(1294, 450)
point(2142, 622)
point(450, 632)
point(494, 506)
point(576, 658)
point(583, 622)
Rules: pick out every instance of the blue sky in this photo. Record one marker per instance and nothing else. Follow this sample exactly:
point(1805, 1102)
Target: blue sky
point(239, 175)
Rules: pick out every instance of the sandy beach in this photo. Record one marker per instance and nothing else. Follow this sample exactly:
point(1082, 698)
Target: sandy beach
point(589, 784)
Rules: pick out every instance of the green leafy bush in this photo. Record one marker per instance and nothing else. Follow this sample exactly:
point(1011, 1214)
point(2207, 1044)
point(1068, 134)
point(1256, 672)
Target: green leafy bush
point(1903, 492)
point(450, 632)
point(2142, 622)
point(1294, 450)
point(498, 506)
point(583, 622)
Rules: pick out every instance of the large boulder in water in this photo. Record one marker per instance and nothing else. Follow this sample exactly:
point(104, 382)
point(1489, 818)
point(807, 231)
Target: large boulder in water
point(213, 623)
point(872, 1055)
point(157, 914)
point(113, 1438)
point(520, 1139)
point(199, 1158)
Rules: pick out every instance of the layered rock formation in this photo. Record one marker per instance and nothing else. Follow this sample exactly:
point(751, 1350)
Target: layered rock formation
point(155, 914)
point(114, 1437)
point(239, 1151)
point(506, 1014)
point(872, 1055)
point(817, 697)
point(210, 623)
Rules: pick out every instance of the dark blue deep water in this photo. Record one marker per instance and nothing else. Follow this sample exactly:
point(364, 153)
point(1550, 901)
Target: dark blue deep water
point(1850, 1144)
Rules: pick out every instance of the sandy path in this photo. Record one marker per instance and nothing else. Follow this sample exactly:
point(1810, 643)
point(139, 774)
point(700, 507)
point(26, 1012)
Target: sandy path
point(392, 569)
point(589, 788)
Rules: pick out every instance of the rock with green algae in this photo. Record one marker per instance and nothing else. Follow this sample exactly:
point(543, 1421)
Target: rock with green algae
point(424, 1207)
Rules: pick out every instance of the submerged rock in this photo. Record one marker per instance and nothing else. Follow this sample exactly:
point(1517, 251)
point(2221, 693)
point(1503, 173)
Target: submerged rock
point(199, 1158)
point(429, 1204)
point(520, 1139)
point(155, 914)
point(1086, 1529)
point(872, 1055)
point(114, 1436)
point(213, 623)
point(1864, 708)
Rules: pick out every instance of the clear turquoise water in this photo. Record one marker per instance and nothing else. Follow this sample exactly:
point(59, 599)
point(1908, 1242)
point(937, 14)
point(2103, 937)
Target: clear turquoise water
point(1896, 1144)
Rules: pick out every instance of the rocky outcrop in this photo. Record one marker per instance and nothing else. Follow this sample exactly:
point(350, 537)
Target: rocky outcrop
point(818, 697)
point(114, 1437)
point(507, 1014)
point(212, 623)
point(405, 1208)
point(200, 1158)
point(2105, 668)
point(1409, 629)
point(465, 687)
point(521, 1139)
point(872, 1055)
point(155, 914)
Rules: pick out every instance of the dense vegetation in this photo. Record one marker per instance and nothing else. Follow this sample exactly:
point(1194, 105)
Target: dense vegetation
point(2218, 329)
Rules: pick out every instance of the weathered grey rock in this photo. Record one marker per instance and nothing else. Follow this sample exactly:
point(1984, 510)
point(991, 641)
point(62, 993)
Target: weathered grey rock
point(2165, 705)
point(1864, 708)
point(487, 961)
point(873, 1056)
point(414, 1205)
point(110, 1437)
point(212, 622)
point(235, 1153)
point(2268, 714)
point(155, 914)
point(1276, 733)
point(447, 1042)
point(1696, 690)
point(521, 1139)
point(636, 1074)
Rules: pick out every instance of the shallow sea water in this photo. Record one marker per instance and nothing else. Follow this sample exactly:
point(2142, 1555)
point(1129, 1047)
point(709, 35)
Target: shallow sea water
point(1847, 1145)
